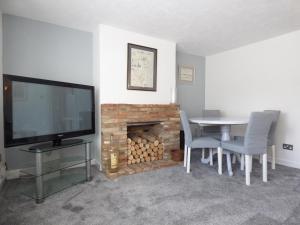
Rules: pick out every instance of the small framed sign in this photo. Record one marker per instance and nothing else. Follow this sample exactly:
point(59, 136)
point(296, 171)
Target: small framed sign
point(141, 68)
point(186, 73)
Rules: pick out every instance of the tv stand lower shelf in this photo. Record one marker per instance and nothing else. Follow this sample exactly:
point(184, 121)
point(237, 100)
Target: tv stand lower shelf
point(55, 168)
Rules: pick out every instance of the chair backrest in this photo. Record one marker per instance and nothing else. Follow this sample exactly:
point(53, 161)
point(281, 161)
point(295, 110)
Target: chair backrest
point(186, 128)
point(256, 136)
point(211, 113)
point(275, 115)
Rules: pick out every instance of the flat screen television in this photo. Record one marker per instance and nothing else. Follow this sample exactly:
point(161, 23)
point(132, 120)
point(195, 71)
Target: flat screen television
point(37, 110)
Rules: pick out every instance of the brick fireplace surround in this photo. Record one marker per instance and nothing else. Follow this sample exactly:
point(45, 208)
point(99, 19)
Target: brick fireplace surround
point(114, 121)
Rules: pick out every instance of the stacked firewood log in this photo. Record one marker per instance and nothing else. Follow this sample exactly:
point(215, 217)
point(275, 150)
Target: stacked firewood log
point(144, 147)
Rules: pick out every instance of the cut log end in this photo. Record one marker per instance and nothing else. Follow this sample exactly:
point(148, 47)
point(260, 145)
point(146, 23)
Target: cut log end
point(144, 147)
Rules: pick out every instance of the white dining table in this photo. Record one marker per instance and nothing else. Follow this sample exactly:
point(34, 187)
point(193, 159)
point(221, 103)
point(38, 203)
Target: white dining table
point(224, 122)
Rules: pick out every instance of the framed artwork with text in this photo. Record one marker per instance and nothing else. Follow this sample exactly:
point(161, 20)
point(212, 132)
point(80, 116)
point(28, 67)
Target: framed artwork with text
point(141, 68)
point(186, 73)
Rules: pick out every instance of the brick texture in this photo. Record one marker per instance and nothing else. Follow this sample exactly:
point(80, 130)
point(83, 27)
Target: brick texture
point(114, 119)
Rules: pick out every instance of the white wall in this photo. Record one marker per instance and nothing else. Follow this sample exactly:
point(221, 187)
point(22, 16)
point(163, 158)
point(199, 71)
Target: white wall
point(264, 75)
point(113, 67)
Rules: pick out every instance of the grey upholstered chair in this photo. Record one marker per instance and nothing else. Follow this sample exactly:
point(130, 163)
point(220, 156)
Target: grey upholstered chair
point(211, 131)
point(255, 141)
point(271, 138)
point(192, 142)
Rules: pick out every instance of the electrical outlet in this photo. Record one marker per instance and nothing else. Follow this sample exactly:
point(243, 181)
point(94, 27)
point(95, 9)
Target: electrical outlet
point(288, 147)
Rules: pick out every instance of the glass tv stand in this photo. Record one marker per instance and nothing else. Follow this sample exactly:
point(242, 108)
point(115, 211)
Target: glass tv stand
point(54, 168)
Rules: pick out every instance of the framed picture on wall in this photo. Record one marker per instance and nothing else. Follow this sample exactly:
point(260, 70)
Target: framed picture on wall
point(141, 68)
point(186, 73)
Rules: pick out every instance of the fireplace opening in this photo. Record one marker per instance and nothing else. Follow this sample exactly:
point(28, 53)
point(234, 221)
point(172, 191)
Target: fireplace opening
point(144, 142)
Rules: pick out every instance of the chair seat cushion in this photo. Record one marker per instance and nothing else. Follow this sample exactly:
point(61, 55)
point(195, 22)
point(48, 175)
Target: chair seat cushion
point(234, 145)
point(205, 142)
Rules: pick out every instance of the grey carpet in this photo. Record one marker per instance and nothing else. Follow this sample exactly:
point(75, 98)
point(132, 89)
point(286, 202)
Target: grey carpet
point(166, 196)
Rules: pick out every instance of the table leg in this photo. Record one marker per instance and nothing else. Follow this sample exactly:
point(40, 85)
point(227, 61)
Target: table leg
point(225, 130)
point(203, 159)
point(211, 162)
point(233, 159)
point(229, 164)
point(242, 162)
point(39, 178)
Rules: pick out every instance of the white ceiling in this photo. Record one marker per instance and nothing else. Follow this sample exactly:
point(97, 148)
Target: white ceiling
point(200, 27)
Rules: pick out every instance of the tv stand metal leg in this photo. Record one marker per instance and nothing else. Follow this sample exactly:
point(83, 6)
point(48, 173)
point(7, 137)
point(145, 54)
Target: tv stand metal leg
point(88, 161)
point(39, 178)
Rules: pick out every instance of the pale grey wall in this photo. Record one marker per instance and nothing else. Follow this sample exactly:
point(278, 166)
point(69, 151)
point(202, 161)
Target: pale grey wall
point(191, 96)
point(47, 51)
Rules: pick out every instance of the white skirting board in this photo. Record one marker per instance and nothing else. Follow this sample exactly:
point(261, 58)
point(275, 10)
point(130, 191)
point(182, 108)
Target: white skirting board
point(14, 174)
point(283, 162)
point(287, 163)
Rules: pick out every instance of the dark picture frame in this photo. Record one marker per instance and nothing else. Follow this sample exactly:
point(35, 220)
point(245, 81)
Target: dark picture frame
point(141, 68)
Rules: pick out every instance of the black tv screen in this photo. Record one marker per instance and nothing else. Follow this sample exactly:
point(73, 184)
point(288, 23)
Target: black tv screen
point(37, 110)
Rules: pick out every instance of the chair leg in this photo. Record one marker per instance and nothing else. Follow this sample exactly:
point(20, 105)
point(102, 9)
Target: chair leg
point(185, 155)
point(273, 156)
point(220, 156)
point(265, 168)
point(250, 157)
point(229, 164)
point(242, 162)
point(211, 163)
point(234, 159)
point(238, 157)
point(203, 154)
point(188, 166)
point(247, 172)
point(260, 159)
